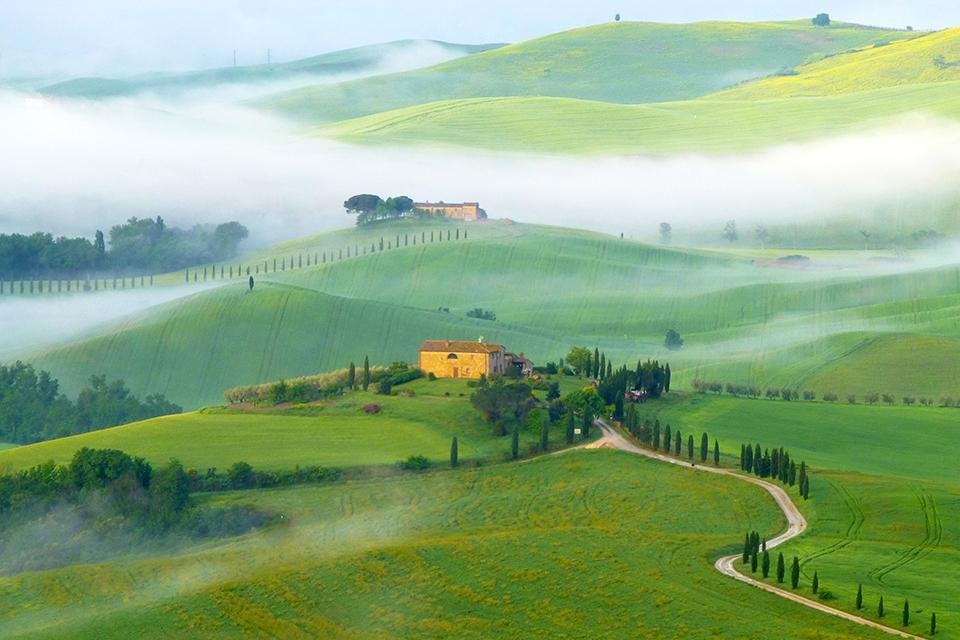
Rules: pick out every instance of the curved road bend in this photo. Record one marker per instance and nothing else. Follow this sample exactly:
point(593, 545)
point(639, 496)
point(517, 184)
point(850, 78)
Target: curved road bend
point(797, 524)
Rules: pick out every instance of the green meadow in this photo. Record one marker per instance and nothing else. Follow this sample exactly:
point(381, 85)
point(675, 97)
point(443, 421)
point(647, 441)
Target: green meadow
point(669, 61)
point(883, 494)
point(586, 540)
point(336, 433)
point(741, 323)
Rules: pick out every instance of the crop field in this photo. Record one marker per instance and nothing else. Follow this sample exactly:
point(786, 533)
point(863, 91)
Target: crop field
point(583, 540)
point(776, 327)
point(675, 62)
point(884, 521)
point(329, 434)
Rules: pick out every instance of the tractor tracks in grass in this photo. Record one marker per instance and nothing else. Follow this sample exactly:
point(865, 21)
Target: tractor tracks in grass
point(796, 525)
point(933, 535)
point(857, 519)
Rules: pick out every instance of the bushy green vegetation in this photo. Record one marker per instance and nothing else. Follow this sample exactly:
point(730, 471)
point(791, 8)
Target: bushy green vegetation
point(32, 408)
point(411, 557)
point(663, 61)
point(364, 59)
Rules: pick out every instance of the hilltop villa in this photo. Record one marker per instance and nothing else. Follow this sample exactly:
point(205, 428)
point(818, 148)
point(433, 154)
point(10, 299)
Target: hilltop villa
point(454, 210)
point(465, 359)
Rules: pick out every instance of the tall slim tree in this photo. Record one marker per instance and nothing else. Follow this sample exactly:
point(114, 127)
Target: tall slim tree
point(753, 561)
point(677, 440)
point(743, 457)
point(906, 613)
point(603, 366)
point(666, 378)
point(933, 624)
point(667, 438)
point(352, 376)
point(690, 446)
point(587, 423)
point(716, 453)
point(570, 426)
point(765, 565)
point(795, 573)
point(781, 568)
point(816, 582)
point(596, 363)
point(859, 596)
point(454, 453)
point(366, 372)
point(704, 447)
point(747, 548)
point(880, 610)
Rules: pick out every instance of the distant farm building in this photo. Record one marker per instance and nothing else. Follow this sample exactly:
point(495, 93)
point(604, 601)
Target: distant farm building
point(466, 359)
point(453, 210)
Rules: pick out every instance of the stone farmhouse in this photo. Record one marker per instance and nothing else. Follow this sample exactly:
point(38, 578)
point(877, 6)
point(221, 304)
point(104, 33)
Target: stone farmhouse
point(454, 210)
point(466, 359)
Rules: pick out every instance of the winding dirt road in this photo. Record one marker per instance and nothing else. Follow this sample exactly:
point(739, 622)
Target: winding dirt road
point(797, 524)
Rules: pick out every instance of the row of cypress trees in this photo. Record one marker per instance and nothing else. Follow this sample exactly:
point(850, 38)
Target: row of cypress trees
point(775, 464)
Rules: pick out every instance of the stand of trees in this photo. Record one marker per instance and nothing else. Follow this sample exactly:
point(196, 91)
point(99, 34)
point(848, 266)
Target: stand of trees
point(371, 208)
point(139, 245)
point(33, 409)
point(776, 464)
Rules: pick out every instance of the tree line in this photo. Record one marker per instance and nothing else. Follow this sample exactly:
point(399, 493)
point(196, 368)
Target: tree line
point(776, 464)
point(650, 378)
point(789, 394)
point(32, 407)
point(138, 245)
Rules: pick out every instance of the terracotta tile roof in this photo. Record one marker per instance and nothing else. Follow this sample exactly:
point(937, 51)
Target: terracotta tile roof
point(463, 346)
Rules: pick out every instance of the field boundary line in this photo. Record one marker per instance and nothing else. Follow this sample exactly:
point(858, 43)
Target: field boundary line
point(797, 524)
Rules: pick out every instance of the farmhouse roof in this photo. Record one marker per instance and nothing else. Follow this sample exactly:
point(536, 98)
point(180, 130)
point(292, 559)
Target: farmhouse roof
point(463, 346)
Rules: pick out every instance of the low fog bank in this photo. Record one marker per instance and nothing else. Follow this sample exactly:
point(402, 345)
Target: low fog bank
point(28, 324)
point(74, 167)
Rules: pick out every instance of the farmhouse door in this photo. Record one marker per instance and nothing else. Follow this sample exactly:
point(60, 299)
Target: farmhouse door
point(456, 372)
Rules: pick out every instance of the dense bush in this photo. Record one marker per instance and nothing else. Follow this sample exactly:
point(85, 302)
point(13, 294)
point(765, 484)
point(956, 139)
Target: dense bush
point(415, 463)
point(33, 409)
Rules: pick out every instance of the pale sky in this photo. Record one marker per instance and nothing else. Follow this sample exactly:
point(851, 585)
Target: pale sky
point(121, 36)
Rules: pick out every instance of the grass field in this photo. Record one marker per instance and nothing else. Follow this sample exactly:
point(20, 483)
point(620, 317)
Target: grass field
point(668, 62)
point(741, 324)
point(331, 434)
point(589, 540)
point(576, 126)
point(883, 494)
point(358, 60)
point(6, 445)
point(905, 62)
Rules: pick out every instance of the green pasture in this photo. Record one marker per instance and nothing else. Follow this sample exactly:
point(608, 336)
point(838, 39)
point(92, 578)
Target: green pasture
point(363, 59)
point(663, 61)
point(586, 540)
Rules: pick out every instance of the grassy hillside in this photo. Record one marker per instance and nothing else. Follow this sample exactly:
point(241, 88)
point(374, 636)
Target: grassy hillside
point(934, 57)
point(330, 434)
point(616, 62)
point(883, 494)
point(358, 60)
point(564, 125)
point(590, 540)
point(741, 323)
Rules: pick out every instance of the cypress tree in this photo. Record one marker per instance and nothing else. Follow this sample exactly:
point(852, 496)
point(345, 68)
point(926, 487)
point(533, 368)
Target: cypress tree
point(515, 443)
point(805, 488)
point(570, 427)
point(906, 613)
point(757, 459)
point(352, 376)
point(743, 456)
point(716, 453)
point(609, 371)
point(602, 372)
point(656, 434)
point(781, 568)
point(792, 476)
point(366, 372)
point(765, 565)
point(795, 573)
point(596, 363)
point(618, 407)
point(677, 444)
point(545, 435)
point(753, 561)
point(748, 466)
point(746, 548)
point(816, 582)
point(880, 610)
point(933, 624)
point(704, 447)
point(666, 378)
point(589, 366)
point(454, 453)
point(859, 596)
point(667, 438)
point(587, 423)
point(690, 446)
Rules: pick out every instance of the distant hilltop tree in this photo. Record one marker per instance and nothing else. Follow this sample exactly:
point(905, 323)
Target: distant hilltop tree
point(730, 231)
point(616, 18)
point(821, 20)
point(666, 233)
point(673, 341)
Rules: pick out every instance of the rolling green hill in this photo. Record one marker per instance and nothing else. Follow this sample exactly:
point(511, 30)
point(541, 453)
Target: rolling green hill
point(588, 540)
point(367, 59)
point(564, 125)
point(337, 434)
point(777, 327)
point(934, 57)
point(617, 62)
